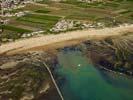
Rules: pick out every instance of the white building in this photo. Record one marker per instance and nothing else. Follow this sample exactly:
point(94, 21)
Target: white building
point(90, 1)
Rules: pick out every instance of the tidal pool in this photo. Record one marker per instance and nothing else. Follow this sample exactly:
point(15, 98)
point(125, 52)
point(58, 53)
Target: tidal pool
point(83, 81)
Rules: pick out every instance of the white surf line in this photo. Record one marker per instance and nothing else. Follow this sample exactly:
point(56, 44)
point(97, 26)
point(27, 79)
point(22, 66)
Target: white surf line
point(51, 39)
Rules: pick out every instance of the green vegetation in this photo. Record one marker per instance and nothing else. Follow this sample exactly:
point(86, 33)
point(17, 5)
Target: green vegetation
point(15, 29)
point(47, 21)
point(11, 32)
point(111, 6)
point(42, 11)
point(44, 17)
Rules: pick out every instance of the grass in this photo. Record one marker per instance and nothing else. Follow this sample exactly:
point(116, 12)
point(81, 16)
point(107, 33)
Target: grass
point(42, 11)
point(12, 32)
point(36, 21)
point(114, 4)
point(45, 17)
point(45, 20)
point(13, 28)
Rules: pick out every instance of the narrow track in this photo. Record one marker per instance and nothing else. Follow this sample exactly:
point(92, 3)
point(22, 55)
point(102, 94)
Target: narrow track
point(52, 77)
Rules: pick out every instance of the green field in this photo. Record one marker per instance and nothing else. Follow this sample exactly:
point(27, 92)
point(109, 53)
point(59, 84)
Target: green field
point(46, 21)
point(45, 15)
point(15, 29)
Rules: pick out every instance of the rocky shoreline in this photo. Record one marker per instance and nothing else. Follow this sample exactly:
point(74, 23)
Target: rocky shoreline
point(111, 56)
point(23, 75)
point(105, 53)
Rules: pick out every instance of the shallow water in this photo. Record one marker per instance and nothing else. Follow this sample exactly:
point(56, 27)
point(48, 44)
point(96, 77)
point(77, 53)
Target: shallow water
point(83, 81)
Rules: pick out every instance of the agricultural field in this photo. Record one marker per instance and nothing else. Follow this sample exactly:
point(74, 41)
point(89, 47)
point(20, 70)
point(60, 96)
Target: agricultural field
point(42, 16)
point(93, 64)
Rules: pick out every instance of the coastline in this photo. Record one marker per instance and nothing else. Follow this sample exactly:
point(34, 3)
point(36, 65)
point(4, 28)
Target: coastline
point(115, 72)
point(51, 60)
point(35, 42)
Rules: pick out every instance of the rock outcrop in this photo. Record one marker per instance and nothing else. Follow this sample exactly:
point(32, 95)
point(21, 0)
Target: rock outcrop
point(113, 53)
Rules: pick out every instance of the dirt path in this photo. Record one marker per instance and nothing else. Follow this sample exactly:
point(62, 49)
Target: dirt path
point(26, 44)
point(54, 82)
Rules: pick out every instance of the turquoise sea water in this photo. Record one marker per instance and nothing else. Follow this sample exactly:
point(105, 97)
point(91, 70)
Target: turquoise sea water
point(83, 81)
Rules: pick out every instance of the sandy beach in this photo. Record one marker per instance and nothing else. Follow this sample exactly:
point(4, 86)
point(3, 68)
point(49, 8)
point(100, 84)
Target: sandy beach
point(47, 40)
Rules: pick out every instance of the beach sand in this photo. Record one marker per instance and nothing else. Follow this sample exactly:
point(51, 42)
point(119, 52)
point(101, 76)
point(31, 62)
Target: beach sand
point(63, 39)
